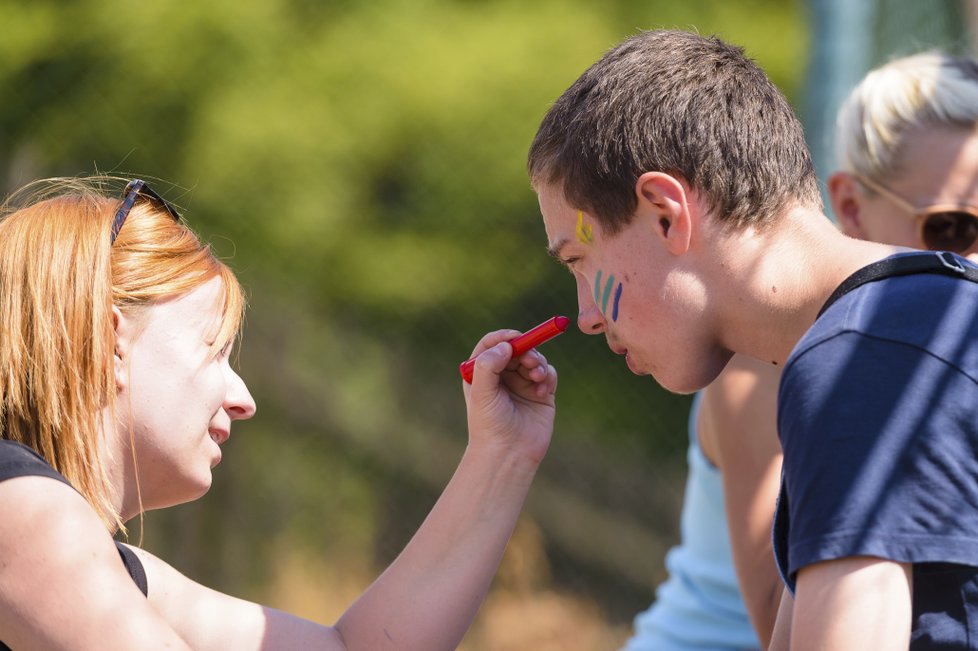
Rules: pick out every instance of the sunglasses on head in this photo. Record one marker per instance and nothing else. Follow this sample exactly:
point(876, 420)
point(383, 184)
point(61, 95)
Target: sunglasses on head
point(135, 190)
point(941, 227)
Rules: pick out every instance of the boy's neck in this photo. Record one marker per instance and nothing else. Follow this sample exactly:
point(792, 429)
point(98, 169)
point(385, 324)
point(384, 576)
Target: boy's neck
point(773, 282)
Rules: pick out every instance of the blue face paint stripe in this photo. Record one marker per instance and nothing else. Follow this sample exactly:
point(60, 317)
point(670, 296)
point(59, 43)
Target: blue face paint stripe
point(607, 294)
point(614, 309)
point(597, 287)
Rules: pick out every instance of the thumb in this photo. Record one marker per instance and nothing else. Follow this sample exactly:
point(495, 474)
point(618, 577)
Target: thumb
point(490, 363)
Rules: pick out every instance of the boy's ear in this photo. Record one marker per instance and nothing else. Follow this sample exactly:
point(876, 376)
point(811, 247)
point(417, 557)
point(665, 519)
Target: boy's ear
point(845, 198)
point(663, 200)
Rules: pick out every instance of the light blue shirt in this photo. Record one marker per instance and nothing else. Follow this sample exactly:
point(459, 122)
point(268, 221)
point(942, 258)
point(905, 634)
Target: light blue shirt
point(699, 607)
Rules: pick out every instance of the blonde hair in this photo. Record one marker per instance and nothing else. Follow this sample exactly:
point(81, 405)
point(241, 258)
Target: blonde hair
point(930, 89)
point(60, 276)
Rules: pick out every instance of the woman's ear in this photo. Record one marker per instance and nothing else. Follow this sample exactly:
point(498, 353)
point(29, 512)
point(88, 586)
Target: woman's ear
point(663, 201)
point(846, 201)
point(120, 345)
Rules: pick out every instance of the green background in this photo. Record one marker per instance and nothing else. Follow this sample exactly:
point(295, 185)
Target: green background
point(362, 167)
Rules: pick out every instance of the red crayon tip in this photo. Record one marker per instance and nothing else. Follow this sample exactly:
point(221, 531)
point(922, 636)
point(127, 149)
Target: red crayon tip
point(526, 341)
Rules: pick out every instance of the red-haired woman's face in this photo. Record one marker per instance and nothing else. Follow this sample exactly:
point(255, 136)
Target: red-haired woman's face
point(178, 398)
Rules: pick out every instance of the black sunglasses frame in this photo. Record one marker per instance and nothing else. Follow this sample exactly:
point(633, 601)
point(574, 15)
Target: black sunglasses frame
point(134, 190)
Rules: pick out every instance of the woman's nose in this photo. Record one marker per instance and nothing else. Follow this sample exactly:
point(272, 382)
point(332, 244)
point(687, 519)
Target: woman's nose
point(239, 404)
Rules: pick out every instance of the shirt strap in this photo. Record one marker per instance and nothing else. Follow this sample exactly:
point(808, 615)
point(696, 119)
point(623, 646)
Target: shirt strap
point(933, 262)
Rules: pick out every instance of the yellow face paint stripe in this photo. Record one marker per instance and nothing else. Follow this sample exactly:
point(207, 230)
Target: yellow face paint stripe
point(585, 234)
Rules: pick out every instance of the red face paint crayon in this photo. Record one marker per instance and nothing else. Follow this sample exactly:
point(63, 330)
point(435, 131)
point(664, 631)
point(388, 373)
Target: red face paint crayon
point(526, 341)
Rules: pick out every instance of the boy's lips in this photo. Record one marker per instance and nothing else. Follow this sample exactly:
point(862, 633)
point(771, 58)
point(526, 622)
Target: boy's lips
point(628, 360)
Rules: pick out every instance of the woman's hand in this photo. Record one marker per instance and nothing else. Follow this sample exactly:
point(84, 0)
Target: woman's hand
point(510, 401)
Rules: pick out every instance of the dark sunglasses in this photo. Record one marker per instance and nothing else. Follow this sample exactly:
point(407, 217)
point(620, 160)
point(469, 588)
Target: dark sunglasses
point(941, 227)
point(135, 190)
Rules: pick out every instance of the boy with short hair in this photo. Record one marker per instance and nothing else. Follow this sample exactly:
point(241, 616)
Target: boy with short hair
point(675, 184)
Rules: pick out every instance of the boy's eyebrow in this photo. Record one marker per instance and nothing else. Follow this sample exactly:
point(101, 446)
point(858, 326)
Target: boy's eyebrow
point(554, 249)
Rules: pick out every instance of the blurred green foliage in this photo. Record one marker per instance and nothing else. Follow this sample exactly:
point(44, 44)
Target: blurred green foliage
point(362, 167)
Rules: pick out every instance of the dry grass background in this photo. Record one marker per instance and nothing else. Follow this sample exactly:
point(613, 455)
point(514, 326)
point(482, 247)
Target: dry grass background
point(523, 611)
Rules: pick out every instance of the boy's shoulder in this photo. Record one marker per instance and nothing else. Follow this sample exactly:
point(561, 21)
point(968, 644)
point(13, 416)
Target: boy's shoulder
point(931, 312)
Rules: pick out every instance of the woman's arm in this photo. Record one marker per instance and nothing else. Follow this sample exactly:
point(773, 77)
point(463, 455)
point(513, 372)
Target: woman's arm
point(738, 432)
point(441, 578)
point(62, 582)
point(429, 595)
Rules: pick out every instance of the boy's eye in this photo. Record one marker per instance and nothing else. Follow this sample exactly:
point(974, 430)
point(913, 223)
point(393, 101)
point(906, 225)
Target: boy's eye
point(570, 264)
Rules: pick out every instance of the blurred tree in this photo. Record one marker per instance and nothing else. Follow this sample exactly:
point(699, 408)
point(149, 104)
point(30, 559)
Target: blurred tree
point(363, 165)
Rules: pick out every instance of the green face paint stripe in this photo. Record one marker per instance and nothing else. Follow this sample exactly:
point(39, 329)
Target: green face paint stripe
point(597, 287)
point(607, 293)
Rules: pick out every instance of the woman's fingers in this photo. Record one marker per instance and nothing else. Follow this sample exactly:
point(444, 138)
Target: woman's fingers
point(534, 376)
point(492, 339)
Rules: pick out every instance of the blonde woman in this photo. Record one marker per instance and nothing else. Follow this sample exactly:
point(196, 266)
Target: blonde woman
point(907, 154)
point(116, 395)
